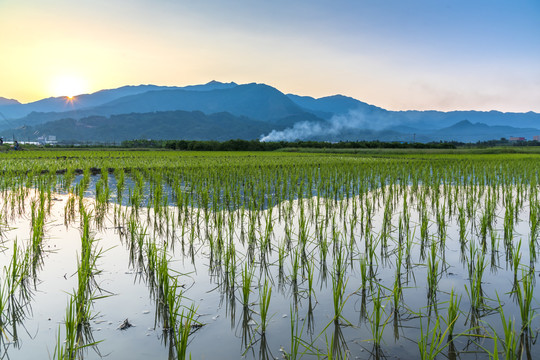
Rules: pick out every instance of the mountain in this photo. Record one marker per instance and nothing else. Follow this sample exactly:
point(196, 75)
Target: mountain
point(257, 101)
point(212, 85)
point(333, 105)
point(156, 125)
point(4, 101)
point(438, 119)
point(13, 109)
point(64, 104)
point(466, 131)
point(290, 116)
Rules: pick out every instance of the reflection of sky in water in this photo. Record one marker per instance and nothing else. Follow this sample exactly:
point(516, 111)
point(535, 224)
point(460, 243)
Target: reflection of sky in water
point(224, 319)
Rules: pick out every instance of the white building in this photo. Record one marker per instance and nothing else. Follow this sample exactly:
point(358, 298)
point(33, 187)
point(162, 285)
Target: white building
point(47, 140)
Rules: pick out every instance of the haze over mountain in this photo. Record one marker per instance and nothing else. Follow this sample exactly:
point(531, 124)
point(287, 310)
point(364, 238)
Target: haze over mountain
point(4, 101)
point(221, 111)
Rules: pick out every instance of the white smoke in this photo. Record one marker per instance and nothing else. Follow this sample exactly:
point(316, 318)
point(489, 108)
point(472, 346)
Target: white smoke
point(299, 131)
point(353, 120)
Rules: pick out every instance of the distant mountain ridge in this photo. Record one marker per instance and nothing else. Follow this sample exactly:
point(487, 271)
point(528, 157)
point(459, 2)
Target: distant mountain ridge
point(466, 131)
point(333, 105)
point(268, 110)
point(5, 101)
point(166, 125)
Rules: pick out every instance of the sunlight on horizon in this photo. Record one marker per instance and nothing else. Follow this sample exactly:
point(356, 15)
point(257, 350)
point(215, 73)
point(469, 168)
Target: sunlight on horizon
point(68, 86)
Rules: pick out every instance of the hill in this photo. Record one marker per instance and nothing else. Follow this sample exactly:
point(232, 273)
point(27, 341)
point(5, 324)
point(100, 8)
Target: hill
point(156, 125)
point(286, 117)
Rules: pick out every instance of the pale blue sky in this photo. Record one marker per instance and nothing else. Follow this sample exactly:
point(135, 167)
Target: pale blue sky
point(436, 54)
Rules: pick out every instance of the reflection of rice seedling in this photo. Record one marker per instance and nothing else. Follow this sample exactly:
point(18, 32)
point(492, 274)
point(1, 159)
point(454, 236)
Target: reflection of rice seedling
point(397, 292)
point(442, 225)
point(484, 226)
point(509, 221)
point(337, 347)
point(424, 226)
point(235, 210)
point(69, 210)
point(477, 265)
point(462, 223)
point(516, 260)
point(295, 266)
point(363, 271)
point(120, 184)
point(338, 291)
point(38, 232)
point(386, 222)
point(433, 272)
point(282, 253)
point(230, 264)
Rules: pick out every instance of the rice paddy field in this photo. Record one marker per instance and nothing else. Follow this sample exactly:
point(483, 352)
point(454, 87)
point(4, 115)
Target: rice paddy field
point(176, 255)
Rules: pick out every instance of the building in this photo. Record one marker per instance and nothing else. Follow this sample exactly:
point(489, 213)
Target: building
point(515, 138)
point(47, 140)
point(536, 137)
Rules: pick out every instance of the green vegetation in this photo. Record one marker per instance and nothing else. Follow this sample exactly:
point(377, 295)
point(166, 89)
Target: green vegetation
point(441, 248)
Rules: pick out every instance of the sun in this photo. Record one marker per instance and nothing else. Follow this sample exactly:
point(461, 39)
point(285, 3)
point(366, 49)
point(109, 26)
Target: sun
point(68, 86)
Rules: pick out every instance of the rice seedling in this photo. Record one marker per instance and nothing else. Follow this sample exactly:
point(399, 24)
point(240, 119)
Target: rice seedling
point(295, 337)
point(477, 265)
point(339, 285)
point(397, 293)
point(452, 313)
point(433, 340)
point(247, 277)
point(433, 272)
point(510, 342)
point(378, 323)
point(524, 291)
point(365, 219)
point(265, 294)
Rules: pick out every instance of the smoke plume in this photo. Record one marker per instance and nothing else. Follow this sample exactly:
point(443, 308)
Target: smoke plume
point(338, 124)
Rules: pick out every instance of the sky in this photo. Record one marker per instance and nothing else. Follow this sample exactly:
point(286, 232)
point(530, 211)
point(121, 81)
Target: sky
point(396, 54)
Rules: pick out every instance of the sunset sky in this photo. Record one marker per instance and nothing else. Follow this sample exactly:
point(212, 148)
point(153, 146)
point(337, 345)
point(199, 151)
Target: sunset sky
point(414, 54)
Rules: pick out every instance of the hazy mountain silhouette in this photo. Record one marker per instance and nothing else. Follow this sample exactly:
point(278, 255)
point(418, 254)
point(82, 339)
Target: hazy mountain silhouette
point(13, 109)
point(257, 101)
point(156, 125)
point(333, 105)
point(212, 85)
point(63, 104)
point(4, 101)
point(225, 126)
point(466, 131)
point(289, 116)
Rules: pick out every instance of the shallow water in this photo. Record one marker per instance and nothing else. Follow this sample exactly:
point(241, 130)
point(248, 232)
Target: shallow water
point(198, 260)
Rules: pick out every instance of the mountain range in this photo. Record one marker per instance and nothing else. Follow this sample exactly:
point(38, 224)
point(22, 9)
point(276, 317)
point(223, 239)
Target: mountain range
point(222, 111)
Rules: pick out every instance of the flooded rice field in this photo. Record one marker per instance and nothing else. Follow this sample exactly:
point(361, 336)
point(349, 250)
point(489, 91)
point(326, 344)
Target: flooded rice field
point(340, 259)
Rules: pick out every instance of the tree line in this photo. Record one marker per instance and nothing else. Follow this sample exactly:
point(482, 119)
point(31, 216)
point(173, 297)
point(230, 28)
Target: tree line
point(256, 145)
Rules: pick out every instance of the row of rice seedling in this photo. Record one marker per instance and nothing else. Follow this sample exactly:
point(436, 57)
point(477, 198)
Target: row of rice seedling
point(338, 238)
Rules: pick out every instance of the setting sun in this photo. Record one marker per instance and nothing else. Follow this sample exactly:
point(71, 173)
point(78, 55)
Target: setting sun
point(68, 86)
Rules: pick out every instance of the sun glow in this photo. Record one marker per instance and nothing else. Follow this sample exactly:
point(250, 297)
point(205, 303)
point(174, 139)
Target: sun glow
point(68, 86)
